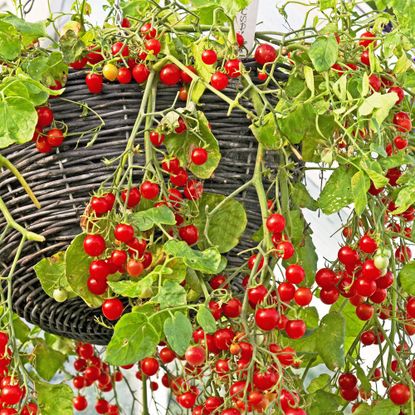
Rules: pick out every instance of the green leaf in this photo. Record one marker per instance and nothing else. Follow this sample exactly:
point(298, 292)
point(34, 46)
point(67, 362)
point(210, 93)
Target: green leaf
point(72, 46)
point(298, 121)
point(206, 320)
point(21, 330)
point(46, 69)
point(337, 192)
point(18, 119)
point(307, 258)
point(54, 398)
point(302, 198)
point(324, 403)
point(178, 331)
point(225, 226)
point(402, 64)
point(360, 185)
point(309, 78)
point(31, 31)
point(181, 146)
point(396, 160)
point(295, 226)
point(134, 339)
point(140, 288)
point(267, 133)
point(171, 294)
point(332, 330)
point(147, 219)
point(233, 7)
point(353, 324)
point(77, 270)
point(51, 273)
point(364, 380)
point(47, 361)
point(207, 261)
point(318, 383)
point(407, 278)
point(379, 105)
point(324, 52)
point(10, 43)
point(327, 4)
point(375, 173)
point(204, 71)
point(61, 344)
point(314, 138)
point(383, 407)
point(405, 199)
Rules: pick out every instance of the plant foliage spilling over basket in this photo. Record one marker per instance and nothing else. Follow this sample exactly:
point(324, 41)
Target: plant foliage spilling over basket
point(166, 176)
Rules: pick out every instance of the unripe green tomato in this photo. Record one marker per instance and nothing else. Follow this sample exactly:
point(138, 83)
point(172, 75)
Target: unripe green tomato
point(146, 293)
point(60, 295)
point(192, 295)
point(381, 262)
point(384, 252)
point(327, 156)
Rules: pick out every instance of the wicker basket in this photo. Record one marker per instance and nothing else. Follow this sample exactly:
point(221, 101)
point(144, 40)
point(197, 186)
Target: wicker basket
point(64, 180)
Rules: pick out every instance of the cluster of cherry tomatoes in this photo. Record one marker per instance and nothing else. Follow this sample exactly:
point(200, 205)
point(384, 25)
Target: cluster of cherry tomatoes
point(92, 371)
point(46, 141)
point(12, 391)
point(124, 250)
point(226, 357)
point(126, 65)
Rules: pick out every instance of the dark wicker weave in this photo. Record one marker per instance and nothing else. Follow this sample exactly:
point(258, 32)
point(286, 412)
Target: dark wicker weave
point(64, 180)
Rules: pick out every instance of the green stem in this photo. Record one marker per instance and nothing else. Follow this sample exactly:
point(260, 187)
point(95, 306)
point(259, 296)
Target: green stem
point(144, 402)
point(130, 143)
point(31, 236)
point(221, 95)
point(6, 163)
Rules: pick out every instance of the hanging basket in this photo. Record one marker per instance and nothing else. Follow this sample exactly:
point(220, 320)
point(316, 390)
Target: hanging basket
point(63, 182)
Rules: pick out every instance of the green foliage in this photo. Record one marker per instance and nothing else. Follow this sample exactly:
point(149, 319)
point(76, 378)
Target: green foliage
point(337, 193)
point(407, 278)
point(332, 329)
point(225, 226)
point(302, 198)
point(323, 53)
point(171, 294)
point(205, 319)
point(378, 106)
point(54, 398)
point(18, 120)
point(10, 42)
point(181, 145)
point(141, 288)
point(320, 382)
point(46, 360)
point(324, 403)
point(360, 185)
point(77, 270)
point(136, 336)
point(178, 331)
point(267, 133)
point(207, 261)
point(384, 407)
point(29, 31)
point(147, 219)
point(46, 68)
point(72, 46)
point(51, 273)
